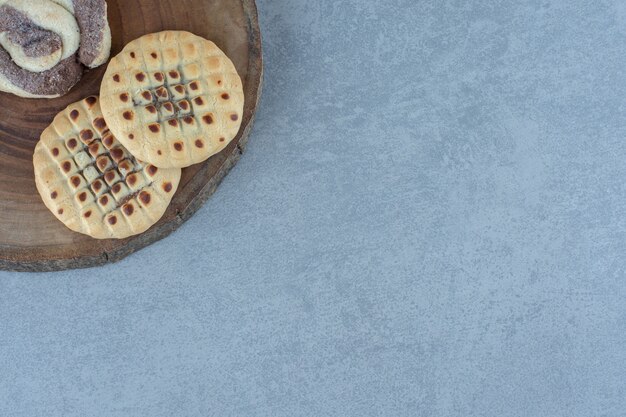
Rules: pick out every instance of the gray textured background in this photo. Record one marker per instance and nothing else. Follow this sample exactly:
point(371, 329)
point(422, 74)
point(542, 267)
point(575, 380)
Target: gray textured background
point(429, 221)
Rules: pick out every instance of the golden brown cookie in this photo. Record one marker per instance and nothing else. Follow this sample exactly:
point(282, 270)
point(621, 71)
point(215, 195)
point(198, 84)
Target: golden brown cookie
point(172, 98)
point(92, 183)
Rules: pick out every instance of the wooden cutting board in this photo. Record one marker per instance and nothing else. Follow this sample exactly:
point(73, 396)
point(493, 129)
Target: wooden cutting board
point(31, 238)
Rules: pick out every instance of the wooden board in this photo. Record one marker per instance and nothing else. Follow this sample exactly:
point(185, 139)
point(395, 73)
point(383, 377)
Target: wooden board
point(31, 238)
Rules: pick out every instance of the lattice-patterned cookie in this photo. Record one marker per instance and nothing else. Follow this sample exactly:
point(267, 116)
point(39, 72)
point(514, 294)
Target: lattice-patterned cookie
point(92, 183)
point(172, 98)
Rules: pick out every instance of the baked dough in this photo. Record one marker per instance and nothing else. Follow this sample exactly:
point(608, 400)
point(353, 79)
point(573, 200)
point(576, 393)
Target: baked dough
point(172, 98)
point(91, 183)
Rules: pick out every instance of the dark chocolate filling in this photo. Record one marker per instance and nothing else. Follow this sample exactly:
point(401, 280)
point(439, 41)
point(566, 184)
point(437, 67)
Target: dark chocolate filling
point(92, 19)
point(22, 31)
point(36, 42)
point(57, 80)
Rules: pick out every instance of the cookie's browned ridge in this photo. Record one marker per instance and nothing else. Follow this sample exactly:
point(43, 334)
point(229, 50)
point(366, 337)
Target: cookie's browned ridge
point(31, 239)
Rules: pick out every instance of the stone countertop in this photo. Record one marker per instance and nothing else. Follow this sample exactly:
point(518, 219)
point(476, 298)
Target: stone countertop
point(429, 220)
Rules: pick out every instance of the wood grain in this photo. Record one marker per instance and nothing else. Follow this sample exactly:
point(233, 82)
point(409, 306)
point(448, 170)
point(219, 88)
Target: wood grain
point(31, 238)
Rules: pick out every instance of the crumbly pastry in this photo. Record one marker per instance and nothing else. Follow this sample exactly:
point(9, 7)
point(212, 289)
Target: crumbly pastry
point(172, 98)
point(91, 183)
point(95, 32)
point(44, 42)
point(38, 40)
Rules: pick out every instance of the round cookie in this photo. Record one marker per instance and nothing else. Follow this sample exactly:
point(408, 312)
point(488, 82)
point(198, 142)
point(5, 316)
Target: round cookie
point(172, 98)
point(91, 183)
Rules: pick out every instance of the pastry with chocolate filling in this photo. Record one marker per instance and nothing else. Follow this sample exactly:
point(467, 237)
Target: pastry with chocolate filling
point(95, 32)
point(172, 98)
point(91, 183)
point(44, 42)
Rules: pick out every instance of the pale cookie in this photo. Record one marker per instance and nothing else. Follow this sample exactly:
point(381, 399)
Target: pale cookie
point(172, 98)
point(91, 183)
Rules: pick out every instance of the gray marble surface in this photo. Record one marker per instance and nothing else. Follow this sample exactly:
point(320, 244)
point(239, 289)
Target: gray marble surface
point(429, 221)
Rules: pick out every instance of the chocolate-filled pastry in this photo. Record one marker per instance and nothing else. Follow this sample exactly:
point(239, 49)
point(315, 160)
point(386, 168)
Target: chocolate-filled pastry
point(43, 44)
point(95, 33)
